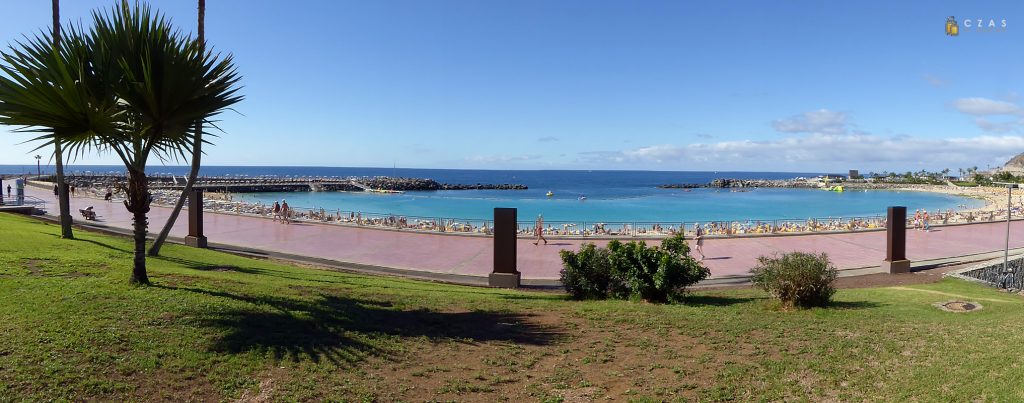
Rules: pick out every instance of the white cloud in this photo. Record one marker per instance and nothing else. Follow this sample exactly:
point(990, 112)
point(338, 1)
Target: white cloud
point(986, 107)
point(502, 158)
point(991, 126)
point(821, 152)
point(821, 121)
point(991, 115)
point(547, 139)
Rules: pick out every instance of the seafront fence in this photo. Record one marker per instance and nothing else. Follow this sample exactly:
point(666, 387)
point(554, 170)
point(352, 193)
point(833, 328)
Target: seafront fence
point(591, 229)
point(606, 229)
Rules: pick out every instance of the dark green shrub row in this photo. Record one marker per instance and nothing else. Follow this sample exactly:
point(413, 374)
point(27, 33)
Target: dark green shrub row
point(631, 270)
point(797, 279)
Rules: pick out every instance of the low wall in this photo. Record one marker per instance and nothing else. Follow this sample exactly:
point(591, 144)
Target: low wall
point(992, 273)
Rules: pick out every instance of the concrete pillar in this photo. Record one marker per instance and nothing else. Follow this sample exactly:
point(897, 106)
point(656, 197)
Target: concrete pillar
point(19, 192)
point(195, 236)
point(896, 241)
point(505, 274)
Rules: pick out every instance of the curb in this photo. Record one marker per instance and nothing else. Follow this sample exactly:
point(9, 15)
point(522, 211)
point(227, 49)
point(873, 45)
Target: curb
point(482, 281)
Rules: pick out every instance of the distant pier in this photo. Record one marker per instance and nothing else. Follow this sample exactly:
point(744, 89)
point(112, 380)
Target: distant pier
point(234, 184)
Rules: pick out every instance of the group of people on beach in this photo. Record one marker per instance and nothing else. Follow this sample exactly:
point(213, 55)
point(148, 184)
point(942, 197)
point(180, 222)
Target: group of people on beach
point(280, 211)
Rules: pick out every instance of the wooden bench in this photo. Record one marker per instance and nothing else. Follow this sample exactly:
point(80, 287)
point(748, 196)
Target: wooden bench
point(88, 214)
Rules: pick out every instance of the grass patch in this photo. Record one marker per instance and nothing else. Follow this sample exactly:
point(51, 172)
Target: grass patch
point(219, 327)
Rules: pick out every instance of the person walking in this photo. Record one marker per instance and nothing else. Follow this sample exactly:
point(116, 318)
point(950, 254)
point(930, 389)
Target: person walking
point(8, 191)
point(56, 192)
point(698, 236)
point(72, 188)
point(538, 230)
point(277, 210)
point(924, 221)
point(285, 212)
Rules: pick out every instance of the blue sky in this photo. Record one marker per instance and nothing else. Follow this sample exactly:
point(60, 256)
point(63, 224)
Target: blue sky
point(546, 84)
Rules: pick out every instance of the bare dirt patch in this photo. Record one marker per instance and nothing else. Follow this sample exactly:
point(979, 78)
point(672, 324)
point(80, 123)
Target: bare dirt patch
point(265, 392)
point(33, 266)
point(595, 361)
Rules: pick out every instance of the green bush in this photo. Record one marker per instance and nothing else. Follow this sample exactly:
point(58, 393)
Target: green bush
point(631, 270)
point(797, 279)
point(586, 274)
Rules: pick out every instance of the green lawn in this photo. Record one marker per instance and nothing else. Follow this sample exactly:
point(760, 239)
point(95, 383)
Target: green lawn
point(220, 327)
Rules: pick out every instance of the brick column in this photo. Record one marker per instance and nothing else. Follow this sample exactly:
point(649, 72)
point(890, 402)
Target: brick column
point(195, 236)
point(896, 241)
point(505, 274)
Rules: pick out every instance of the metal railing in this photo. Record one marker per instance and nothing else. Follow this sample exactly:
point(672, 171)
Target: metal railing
point(595, 228)
point(23, 201)
point(604, 229)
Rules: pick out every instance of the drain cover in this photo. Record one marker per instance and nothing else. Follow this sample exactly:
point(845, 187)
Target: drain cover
point(958, 306)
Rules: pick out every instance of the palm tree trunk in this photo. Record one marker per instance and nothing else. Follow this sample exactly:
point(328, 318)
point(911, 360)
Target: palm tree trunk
point(63, 200)
point(197, 154)
point(138, 199)
point(64, 205)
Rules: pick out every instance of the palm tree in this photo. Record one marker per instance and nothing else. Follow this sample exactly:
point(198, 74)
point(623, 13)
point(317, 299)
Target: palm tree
point(40, 92)
point(175, 84)
point(139, 86)
point(197, 154)
point(63, 202)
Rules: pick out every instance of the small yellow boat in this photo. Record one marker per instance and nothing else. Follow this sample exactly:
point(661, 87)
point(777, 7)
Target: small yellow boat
point(550, 193)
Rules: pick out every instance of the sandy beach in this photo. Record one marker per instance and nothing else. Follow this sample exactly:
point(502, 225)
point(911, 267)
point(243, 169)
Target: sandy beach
point(995, 198)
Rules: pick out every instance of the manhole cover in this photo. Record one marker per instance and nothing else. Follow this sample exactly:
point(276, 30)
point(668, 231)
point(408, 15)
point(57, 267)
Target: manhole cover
point(958, 306)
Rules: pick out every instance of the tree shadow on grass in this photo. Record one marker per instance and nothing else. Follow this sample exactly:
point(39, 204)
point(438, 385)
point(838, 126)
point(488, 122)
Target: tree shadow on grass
point(284, 274)
point(97, 243)
point(717, 300)
point(344, 331)
point(853, 304)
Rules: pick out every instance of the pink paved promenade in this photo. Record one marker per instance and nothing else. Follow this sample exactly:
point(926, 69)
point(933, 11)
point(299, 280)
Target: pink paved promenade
point(472, 255)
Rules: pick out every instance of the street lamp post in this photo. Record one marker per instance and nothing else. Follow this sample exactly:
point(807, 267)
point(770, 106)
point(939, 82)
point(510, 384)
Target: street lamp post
point(1009, 214)
point(39, 171)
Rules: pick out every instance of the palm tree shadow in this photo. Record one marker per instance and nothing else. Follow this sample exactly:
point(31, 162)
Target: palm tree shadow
point(102, 244)
point(344, 331)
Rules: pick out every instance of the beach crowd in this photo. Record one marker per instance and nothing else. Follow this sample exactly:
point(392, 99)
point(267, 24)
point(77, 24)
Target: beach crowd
point(225, 203)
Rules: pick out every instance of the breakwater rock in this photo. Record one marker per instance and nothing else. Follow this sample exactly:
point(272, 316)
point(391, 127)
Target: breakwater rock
point(412, 184)
point(745, 183)
point(290, 184)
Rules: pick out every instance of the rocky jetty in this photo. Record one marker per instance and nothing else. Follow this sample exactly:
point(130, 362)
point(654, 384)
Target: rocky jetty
point(681, 186)
point(277, 184)
point(723, 183)
point(412, 184)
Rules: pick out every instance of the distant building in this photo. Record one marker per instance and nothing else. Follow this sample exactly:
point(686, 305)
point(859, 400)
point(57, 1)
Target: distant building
point(854, 174)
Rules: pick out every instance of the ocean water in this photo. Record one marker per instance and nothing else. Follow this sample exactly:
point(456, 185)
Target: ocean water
point(611, 196)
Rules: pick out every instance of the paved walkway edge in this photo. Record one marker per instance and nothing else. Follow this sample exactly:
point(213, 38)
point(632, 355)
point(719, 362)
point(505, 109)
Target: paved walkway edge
point(481, 281)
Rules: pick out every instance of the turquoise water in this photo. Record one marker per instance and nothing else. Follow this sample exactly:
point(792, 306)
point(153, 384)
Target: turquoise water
point(612, 196)
point(652, 205)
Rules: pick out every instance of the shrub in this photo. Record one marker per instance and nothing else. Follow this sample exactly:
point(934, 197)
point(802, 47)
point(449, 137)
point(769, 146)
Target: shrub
point(797, 278)
point(586, 274)
point(631, 270)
